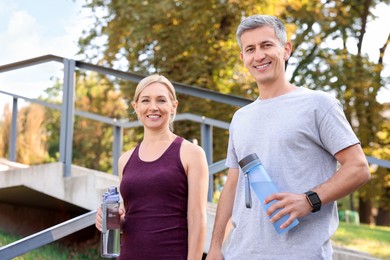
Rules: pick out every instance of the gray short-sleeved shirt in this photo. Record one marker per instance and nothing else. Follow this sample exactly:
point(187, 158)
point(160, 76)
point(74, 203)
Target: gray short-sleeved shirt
point(296, 136)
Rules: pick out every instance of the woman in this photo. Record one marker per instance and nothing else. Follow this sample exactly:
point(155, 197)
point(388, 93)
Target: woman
point(163, 183)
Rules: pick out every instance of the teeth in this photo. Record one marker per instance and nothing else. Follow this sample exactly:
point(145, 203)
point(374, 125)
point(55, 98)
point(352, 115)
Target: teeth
point(153, 116)
point(262, 66)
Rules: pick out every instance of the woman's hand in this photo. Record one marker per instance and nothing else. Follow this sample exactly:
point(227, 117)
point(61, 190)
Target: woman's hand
point(98, 221)
point(99, 217)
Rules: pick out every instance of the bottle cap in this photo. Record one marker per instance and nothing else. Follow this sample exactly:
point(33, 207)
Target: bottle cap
point(248, 159)
point(111, 195)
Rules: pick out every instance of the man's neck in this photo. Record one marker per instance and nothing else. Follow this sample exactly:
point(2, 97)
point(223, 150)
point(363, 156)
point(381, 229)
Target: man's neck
point(268, 91)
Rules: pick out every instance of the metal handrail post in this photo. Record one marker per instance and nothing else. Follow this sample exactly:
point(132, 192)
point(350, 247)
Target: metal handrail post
point(207, 145)
point(67, 116)
point(14, 131)
point(117, 148)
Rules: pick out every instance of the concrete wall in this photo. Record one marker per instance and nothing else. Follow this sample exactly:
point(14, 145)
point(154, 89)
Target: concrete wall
point(83, 188)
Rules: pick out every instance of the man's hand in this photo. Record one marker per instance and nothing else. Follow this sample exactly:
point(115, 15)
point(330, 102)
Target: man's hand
point(294, 204)
point(214, 255)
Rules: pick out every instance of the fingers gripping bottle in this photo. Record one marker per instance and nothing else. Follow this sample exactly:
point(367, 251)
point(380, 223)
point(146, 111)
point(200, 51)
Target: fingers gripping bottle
point(263, 186)
point(110, 238)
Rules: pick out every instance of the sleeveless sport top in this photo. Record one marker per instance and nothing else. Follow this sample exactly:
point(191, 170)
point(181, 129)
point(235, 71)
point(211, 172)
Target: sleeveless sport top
point(155, 198)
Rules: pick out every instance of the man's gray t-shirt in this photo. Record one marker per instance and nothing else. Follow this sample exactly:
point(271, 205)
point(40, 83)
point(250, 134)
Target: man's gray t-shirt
point(296, 136)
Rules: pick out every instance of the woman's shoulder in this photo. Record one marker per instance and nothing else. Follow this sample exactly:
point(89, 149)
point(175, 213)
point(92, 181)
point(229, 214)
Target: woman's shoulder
point(192, 156)
point(123, 159)
point(191, 150)
point(125, 156)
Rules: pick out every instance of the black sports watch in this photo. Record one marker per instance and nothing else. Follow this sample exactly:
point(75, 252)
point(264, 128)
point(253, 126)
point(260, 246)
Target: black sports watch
point(314, 200)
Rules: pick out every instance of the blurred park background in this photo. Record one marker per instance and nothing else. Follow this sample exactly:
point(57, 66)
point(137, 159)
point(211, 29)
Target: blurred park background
point(337, 49)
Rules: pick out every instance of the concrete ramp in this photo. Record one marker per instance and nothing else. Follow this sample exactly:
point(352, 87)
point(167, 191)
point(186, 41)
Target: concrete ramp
point(83, 188)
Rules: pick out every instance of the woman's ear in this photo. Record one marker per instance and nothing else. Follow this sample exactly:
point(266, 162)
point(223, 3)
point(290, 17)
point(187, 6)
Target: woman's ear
point(175, 105)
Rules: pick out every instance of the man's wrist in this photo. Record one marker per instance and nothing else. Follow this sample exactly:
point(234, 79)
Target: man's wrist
point(314, 200)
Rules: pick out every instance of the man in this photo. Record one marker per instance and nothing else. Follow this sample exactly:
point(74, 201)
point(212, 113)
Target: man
point(299, 135)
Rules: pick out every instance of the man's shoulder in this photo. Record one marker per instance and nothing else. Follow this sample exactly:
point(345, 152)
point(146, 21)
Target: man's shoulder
point(315, 93)
point(246, 107)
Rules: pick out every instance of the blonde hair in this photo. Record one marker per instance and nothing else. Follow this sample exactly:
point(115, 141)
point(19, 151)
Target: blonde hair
point(156, 78)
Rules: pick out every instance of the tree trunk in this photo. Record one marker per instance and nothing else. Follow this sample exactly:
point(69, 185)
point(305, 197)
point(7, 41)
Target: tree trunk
point(365, 210)
point(383, 218)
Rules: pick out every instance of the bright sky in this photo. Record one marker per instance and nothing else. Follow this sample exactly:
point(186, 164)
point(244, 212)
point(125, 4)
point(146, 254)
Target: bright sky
point(30, 29)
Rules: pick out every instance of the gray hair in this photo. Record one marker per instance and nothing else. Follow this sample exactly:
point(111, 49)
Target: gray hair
point(255, 21)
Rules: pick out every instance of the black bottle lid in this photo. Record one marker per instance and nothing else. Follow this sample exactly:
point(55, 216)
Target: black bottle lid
point(248, 159)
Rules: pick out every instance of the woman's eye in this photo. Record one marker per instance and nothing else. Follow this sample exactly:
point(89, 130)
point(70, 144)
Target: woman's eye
point(144, 101)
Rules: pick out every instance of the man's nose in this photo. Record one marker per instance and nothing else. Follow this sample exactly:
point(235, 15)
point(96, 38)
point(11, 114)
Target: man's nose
point(259, 54)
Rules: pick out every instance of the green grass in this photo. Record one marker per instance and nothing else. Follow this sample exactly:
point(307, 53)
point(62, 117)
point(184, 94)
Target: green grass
point(53, 250)
point(364, 238)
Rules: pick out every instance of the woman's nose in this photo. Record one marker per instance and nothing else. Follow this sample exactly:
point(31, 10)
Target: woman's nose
point(153, 105)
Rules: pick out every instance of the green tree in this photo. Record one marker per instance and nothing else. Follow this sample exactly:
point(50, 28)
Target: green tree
point(194, 43)
point(5, 124)
point(92, 140)
point(380, 184)
point(31, 136)
point(351, 77)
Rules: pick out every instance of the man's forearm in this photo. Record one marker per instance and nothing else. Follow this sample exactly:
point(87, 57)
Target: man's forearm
point(223, 215)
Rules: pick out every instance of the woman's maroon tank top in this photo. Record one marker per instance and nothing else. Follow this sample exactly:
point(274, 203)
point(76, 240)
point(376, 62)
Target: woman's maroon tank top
point(155, 198)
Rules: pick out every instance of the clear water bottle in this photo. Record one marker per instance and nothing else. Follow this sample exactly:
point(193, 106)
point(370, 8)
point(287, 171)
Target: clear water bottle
point(263, 186)
point(110, 238)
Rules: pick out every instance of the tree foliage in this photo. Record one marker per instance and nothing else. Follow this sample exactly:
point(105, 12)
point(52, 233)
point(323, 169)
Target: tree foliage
point(194, 43)
point(31, 136)
point(92, 140)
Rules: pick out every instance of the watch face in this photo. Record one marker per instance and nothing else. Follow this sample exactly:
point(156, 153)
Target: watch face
point(314, 199)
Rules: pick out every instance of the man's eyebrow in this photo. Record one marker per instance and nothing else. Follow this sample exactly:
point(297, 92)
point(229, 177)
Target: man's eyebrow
point(254, 44)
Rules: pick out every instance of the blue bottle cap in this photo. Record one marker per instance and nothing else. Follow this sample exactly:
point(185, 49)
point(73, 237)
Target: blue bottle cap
point(111, 195)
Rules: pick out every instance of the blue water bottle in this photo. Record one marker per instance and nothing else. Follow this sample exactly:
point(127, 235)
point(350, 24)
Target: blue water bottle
point(263, 186)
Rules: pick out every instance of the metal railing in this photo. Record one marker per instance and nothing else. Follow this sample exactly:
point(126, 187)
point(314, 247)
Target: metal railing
point(68, 110)
point(66, 138)
point(47, 236)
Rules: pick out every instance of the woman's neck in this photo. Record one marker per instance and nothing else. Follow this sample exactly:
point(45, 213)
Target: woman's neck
point(152, 137)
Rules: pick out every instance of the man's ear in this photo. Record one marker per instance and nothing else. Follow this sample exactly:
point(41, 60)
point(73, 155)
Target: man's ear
point(287, 50)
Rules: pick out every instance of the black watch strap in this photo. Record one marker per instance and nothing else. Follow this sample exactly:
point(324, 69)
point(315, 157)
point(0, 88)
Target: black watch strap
point(314, 200)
